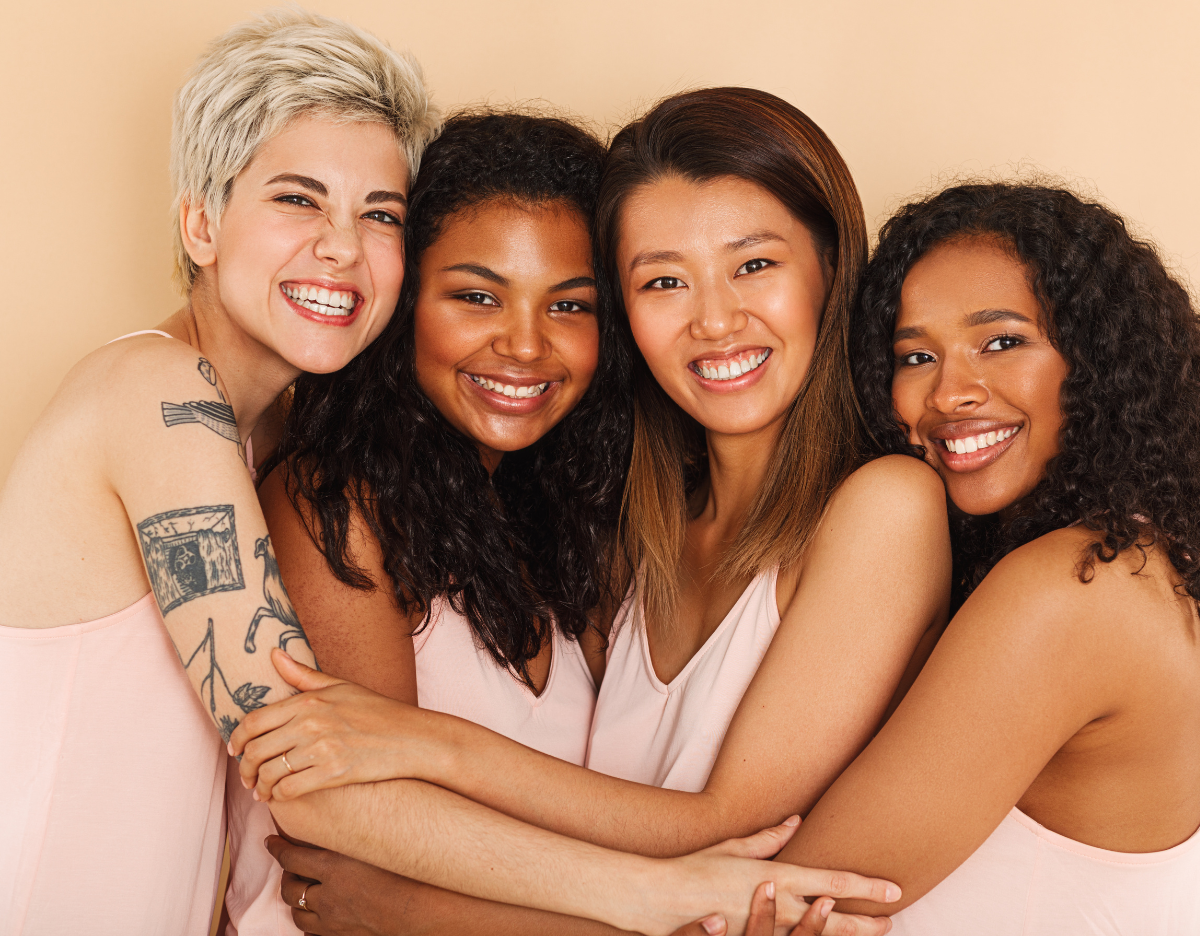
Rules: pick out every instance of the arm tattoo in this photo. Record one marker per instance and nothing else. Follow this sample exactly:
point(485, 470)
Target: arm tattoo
point(216, 416)
point(278, 605)
point(215, 691)
point(190, 553)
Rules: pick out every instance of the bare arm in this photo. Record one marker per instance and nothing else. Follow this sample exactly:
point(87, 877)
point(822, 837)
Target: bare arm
point(876, 578)
point(174, 459)
point(359, 635)
point(1029, 660)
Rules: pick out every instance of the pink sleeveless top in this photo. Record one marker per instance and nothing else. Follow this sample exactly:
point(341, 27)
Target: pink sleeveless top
point(668, 734)
point(1028, 881)
point(114, 790)
point(457, 676)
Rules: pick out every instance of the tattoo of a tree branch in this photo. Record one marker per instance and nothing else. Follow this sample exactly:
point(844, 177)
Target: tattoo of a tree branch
point(216, 416)
point(278, 605)
point(215, 691)
point(190, 553)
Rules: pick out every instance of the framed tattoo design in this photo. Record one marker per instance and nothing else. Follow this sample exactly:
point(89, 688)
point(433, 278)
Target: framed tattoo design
point(190, 553)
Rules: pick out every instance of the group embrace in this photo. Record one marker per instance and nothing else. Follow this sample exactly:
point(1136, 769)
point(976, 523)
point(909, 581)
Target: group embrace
point(515, 533)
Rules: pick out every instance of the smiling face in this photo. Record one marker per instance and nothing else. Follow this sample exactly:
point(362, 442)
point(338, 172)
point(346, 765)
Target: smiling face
point(976, 378)
point(724, 291)
point(506, 334)
point(307, 256)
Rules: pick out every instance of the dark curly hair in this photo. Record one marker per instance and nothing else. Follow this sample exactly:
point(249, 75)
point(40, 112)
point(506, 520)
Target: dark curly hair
point(532, 543)
point(1129, 461)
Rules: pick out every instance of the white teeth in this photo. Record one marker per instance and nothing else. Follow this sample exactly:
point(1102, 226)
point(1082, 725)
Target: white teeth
point(733, 368)
point(322, 301)
point(975, 443)
point(508, 390)
point(522, 392)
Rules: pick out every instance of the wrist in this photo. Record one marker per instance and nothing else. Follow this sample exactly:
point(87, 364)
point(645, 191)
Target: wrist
point(646, 902)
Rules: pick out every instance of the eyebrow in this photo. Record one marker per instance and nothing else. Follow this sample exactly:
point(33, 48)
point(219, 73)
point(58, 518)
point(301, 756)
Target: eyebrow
point(313, 185)
point(674, 256)
point(577, 282)
point(751, 240)
point(477, 270)
point(973, 320)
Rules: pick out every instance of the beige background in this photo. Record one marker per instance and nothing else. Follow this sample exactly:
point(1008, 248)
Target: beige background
point(1106, 93)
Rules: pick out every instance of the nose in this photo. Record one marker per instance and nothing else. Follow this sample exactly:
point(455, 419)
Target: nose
point(959, 386)
point(522, 335)
point(339, 244)
point(718, 312)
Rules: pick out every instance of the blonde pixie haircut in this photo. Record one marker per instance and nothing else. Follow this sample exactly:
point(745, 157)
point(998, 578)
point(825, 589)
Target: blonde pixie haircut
point(261, 75)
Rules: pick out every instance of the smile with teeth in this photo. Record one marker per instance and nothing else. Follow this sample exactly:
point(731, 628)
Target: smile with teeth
point(975, 443)
point(322, 301)
point(735, 368)
point(508, 390)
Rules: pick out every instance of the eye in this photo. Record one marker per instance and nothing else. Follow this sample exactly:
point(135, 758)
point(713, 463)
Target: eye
point(568, 305)
point(478, 298)
point(664, 282)
point(914, 359)
point(1004, 343)
point(294, 199)
point(383, 217)
point(753, 266)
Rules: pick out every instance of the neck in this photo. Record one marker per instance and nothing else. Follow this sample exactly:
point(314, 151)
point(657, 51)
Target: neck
point(253, 375)
point(737, 467)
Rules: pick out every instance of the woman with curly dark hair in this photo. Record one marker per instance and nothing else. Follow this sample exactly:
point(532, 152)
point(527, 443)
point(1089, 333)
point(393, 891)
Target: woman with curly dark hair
point(445, 505)
point(1048, 366)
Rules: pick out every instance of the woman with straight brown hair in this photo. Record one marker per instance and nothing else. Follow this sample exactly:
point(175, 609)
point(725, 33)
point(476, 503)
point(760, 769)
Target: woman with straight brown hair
point(777, 574)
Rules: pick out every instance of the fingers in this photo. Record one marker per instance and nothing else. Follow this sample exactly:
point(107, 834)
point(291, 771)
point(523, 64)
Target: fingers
point(291, 890)
point(837, 884)
point(258, 723)
point(813, 921)
point(854, 924)
point(762, 911)
point(762, 844)
point(301, 677)
point(714, 925)
point(271, 773)
point(298, 860)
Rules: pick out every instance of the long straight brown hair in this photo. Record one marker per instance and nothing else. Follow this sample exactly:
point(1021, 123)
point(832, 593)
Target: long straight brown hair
point(756, 136)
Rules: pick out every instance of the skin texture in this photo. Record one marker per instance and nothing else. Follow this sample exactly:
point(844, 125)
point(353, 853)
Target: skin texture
point(998, 373)
point(507, 294)
point(874, 581)
point(102, 458)
point(1078, 703)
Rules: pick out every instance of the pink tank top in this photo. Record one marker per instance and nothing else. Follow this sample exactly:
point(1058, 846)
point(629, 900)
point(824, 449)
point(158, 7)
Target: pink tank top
point(668, 734)
point(113, 790)
point(1028, 881)
point(457, 676)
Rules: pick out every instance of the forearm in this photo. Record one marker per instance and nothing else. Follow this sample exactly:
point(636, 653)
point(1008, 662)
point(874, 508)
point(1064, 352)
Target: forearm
point(432, 835)
point(581, 803)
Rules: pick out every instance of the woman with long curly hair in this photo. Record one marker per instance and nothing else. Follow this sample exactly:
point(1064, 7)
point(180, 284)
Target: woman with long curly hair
point(1040, 776)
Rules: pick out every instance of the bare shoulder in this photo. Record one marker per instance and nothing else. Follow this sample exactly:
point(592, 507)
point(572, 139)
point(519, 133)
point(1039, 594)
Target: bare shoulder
point(140, 365)
point(895, 491)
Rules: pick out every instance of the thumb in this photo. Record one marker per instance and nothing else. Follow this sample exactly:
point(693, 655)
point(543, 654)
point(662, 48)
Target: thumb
point(302, 677)
point(762, 844)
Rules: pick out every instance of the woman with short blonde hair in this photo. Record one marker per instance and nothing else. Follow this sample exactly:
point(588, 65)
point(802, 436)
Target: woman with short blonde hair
point(139, 582)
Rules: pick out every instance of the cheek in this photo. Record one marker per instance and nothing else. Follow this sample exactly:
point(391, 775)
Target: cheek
point(434, 349)
point(580, 352)
point(385, 259)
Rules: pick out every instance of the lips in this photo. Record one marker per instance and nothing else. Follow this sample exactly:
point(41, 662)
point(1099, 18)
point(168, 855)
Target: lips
point(970, 446)
point(734, 370)
point(328, 303)
point(510, 394)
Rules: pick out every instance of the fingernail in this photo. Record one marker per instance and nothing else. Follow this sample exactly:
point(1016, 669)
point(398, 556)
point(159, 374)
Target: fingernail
point(826, 908)
point(714, 925)
point(246, 783)
point(892, 893)
point(229, 747)
point(792, 821)
point(256, 797)
point(769, 890)
point(266, 841)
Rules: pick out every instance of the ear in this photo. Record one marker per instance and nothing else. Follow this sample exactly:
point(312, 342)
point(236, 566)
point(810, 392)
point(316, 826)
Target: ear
point(198, 231)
